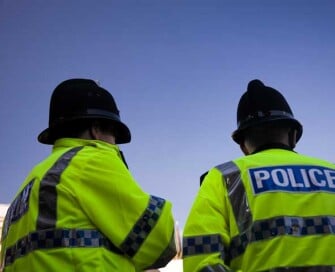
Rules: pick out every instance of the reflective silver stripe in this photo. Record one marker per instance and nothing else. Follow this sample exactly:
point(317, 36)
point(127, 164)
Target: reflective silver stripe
point(57, 238)
point(279, 226)
point(47, 210)
point(143, 226)
point(205, 244)
point(237, 194)
point(215, 268)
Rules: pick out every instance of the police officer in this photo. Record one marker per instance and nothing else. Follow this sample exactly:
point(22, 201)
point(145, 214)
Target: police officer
point(271, 210)
point(80, 209)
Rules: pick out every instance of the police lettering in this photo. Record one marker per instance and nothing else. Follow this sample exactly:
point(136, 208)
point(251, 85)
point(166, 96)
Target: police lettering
point(293, 178)
point(18, 207)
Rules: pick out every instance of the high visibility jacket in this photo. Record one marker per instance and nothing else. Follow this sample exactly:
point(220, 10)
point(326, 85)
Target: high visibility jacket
point(81, 210)
point(270, 211)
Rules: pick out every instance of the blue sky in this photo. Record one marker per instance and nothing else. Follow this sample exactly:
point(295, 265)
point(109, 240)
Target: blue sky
point(176, 69)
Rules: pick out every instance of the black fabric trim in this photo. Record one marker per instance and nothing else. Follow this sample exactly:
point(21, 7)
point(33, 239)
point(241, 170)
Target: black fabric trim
point(169, 252)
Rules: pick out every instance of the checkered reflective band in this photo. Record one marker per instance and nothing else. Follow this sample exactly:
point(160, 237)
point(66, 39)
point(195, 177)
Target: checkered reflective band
point(57, 238)
point(280, 226)
point(143, 226)
point(206, 244)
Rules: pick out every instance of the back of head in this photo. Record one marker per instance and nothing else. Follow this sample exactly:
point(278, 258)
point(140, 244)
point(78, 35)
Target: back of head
point(262, 105)
point(269, 135)
point(75, 101)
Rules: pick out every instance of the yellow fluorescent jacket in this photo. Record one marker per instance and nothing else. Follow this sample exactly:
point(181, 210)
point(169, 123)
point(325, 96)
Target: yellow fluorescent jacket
point(81, 210)
point(274, 209)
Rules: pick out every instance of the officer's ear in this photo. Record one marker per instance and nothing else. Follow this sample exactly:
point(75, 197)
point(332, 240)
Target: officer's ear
point(242, 144)
point(244, 148)
point(292, 137)
point(94, 131)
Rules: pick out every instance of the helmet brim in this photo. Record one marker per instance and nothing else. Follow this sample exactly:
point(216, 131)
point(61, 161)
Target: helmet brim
point(238, 134)
point(47, 136)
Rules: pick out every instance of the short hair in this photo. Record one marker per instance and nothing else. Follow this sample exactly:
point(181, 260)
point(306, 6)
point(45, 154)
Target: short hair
point(270, 132)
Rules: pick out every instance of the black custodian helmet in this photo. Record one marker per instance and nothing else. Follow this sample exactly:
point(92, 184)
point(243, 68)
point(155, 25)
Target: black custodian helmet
point(261, 104)
point(77, 99)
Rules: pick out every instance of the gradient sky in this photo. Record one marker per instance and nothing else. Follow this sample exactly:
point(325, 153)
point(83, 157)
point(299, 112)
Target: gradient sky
point(176, 69)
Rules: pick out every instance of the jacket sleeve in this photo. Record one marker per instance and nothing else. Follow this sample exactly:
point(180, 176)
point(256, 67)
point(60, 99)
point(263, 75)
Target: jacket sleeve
point(206, 232)
point(139, 224)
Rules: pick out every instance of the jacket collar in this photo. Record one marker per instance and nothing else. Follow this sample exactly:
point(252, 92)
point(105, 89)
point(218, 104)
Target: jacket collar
point(272, 146)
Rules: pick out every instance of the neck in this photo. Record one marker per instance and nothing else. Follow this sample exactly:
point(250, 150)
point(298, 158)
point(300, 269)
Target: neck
point(271, 146)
